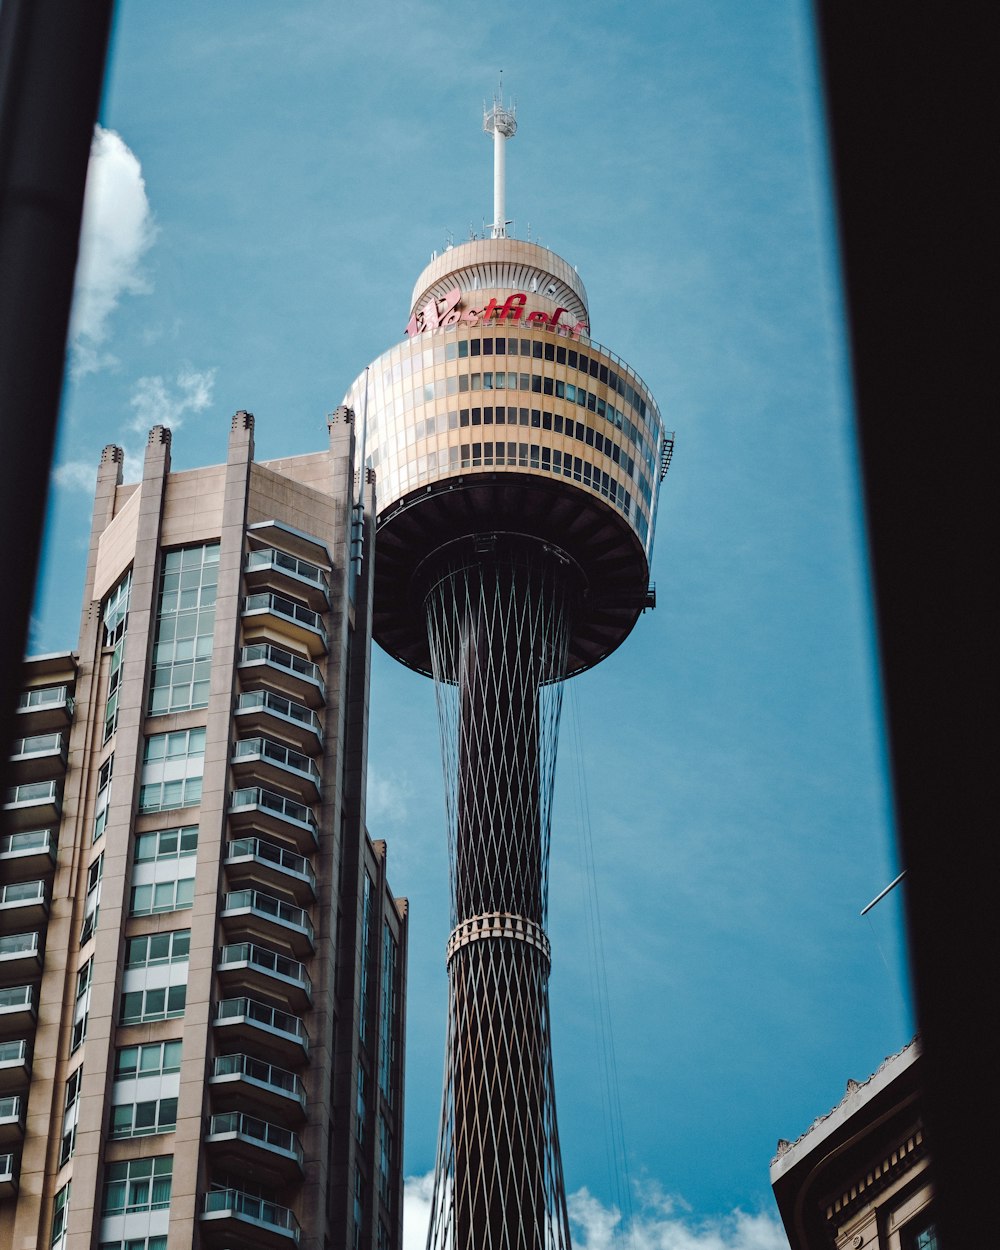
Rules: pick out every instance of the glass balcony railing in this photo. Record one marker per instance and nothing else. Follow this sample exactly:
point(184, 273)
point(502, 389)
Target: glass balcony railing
point(38, 744)
point(6, 1168)
point(282, 606)
point(17, 998)
point(249, 1127)
point(278, 657)
point(45, 696)
point(260, 1013)
point(247, 1206)
point(249, 749)
point(32, 792)
point(31, 842)
point(287, 809)
point(255, 956)
point(259, 1073)
point(270, 853)
point(23, 892)
point(14, 1052)
point(17, 944)
point(251, 700)
point(271, 907)
point(10, 1108)
point(271, 558)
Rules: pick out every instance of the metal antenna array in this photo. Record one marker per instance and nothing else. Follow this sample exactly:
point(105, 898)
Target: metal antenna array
point(500, 122)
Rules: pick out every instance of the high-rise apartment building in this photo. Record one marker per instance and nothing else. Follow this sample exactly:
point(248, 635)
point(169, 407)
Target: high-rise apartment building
point(201, 965)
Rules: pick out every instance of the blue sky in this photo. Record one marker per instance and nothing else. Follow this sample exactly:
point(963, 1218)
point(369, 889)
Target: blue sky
point(269, 183)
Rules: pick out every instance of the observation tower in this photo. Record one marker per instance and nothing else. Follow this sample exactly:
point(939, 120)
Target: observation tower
point(518, 466)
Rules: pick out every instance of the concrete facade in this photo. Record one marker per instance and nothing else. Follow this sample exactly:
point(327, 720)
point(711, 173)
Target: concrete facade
point(202, 967)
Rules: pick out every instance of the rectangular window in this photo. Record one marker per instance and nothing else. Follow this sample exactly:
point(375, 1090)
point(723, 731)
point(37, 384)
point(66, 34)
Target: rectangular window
point(185, 623)
point(172, 770)
point(361, 1108)
point(115, 625)
point(136, 1243)
point(143, 1119)
point(384, 1161)
point(82, 1008)
point(103, 796)
point(366, 925)
point(60, 1217)
point(163, 870)
point(150, 1059)
point(154, 985)
point(92, 905)
point(387, 1014)
point(71, 1114)
point(138, 1185)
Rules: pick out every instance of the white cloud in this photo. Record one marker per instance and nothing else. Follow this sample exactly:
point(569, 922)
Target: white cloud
point(388, 799)
point(116, 233)
point(660, 1223)
point(76, 475)
point(417, 1194)
point(155, 401)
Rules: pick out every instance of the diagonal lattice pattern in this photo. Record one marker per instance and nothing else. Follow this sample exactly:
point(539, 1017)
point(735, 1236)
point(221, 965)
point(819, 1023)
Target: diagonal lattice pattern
point(498, 629)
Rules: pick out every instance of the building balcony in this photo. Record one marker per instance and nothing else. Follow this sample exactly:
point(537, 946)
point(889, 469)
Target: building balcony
point(272, 763)
point(11, 1121)
point(39, 757)
point(248, 1022)
point(29, 855)
point(17, 1012)
point(237, 1079)
point(45, 708)
point(23, 905)
point(20, 958)
point(284, 672)
point(269, 567)
point(251, 967)
point(264, 713)
point(255, 862)
point(231, 1217)
point(245, 1145)
point(265, 916)
point(15, 1066)
point(33, 803)
point(288, 618)
point(265, 811)
point(8, 1176)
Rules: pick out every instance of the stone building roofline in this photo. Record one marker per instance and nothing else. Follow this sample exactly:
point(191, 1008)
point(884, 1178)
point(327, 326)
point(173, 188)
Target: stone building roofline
point(857, 1094)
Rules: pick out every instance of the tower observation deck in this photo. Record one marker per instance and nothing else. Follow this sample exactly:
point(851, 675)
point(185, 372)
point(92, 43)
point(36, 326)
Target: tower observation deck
point(518, 465)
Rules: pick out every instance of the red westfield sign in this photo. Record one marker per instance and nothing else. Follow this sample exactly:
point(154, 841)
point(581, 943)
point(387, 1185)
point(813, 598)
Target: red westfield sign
point(448, 310)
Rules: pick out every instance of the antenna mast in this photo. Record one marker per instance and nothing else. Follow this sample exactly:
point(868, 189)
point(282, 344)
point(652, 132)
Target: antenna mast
point(501, 123)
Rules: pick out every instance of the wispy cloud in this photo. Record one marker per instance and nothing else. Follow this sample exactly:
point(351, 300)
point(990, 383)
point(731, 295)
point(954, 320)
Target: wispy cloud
point(662, 1222)
point(157, 401)
point(388, 798)
point(665, 1222)
point(116, 233)
point(76, 475)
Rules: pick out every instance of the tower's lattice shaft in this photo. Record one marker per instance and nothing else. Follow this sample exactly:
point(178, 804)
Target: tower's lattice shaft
point(498, 623)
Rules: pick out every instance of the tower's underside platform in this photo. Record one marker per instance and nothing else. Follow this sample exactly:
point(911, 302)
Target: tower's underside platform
point(469, 509)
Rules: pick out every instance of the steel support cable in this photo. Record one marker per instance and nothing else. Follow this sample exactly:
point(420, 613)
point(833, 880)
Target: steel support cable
point(621, 1178)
